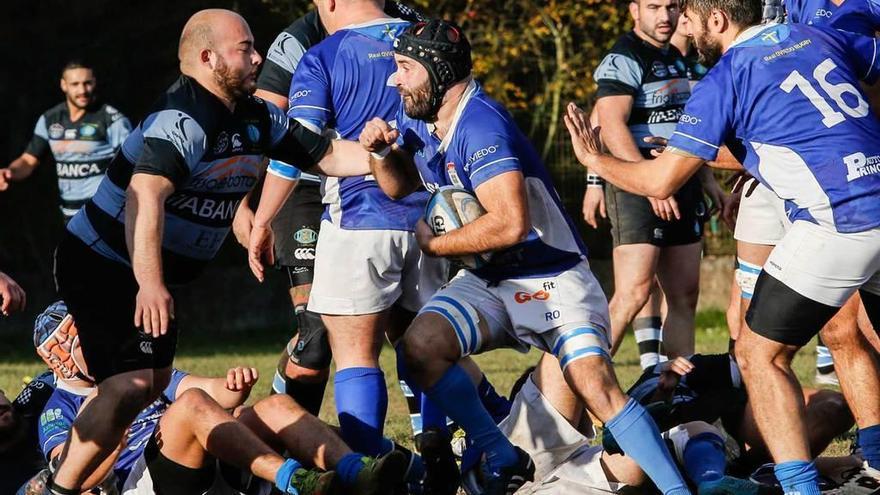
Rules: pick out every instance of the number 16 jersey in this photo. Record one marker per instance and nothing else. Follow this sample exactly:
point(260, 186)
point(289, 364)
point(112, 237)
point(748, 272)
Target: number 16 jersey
point(786, 100)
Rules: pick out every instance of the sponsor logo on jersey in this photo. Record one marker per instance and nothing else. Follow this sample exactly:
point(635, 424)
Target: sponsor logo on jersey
point(304, 253)
point(664, 116)
point(88, 130)
point(479, 154)
point(523, 297)
point(204, 207)
point(858, 165)
point(236, 142)
point(50, 416)
point(689, 119)
point(659, 69)
point(253, 133)
point(222, 143)
point(77, 170)
point(69, 133)
point(824, 13)
point(56, 131)
point(453, 175)
point(306, 236)
point(300, 94)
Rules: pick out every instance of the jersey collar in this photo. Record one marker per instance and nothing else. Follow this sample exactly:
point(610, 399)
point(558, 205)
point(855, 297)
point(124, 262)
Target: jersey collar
point(374, 22)
point(462, 103)
point(753, 32)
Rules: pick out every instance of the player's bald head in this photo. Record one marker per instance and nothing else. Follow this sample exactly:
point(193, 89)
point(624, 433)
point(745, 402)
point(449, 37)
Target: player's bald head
point(205, 29)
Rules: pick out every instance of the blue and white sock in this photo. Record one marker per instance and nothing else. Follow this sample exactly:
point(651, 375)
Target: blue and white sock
point(361, 403)
point(638, 437)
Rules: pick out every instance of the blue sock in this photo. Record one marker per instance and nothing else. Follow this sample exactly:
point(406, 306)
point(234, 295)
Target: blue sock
point(361, 402)
point(458, 398)
point(638, 437)
point(704, 458)
point(433, 416)
point(798, 477)
point(348, 468)
point(497, 405)
point(869, 441)
point(284, 474)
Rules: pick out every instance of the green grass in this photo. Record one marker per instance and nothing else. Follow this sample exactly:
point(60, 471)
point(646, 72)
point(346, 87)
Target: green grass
point(211, 355)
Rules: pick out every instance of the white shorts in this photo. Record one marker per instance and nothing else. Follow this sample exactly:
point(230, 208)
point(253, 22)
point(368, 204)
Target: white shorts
point(565, 463)
point(359, 272)
point(565, 314)
point(824, 265)
point(761, 218)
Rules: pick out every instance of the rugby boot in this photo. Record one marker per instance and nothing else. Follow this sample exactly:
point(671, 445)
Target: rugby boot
point(509, 479)
point(380, 476)
point(728, 485)
point(863, 480)
point(441, 471)
point(313, 482)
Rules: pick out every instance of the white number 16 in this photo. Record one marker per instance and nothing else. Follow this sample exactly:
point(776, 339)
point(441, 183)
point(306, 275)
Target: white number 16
point(830, 116)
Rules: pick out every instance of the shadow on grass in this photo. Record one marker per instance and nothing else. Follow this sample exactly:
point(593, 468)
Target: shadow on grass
point(18, 347)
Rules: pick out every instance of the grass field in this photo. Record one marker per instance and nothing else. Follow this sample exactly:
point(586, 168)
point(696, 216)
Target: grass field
point(209, 355)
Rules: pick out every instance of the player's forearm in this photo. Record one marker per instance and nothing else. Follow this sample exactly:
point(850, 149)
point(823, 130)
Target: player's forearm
point(638, 177)
point(144, 221)
point(228, 399)
point(490, 232)
point(395, 174)
point(22, 167)
point(275, 192)
point(725, 160)
point(344, 159)
point(620, 141)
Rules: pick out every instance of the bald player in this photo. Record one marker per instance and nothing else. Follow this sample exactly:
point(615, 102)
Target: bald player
point(160, 216)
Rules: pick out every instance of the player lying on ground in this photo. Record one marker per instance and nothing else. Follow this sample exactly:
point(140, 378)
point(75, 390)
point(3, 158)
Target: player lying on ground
point(171, 446)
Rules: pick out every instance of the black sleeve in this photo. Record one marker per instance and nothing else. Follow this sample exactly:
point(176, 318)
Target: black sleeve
point(274, 79)
point(161, 157)
point(38, 147)
point(300, 146)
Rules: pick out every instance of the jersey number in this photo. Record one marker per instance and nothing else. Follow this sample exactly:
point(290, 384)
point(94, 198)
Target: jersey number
point(830, 116)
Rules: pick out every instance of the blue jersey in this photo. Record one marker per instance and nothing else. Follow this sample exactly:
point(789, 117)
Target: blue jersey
point(786, 100)
point(63, 406)
point(483, 142)
point(855, 16)
point(340, 84)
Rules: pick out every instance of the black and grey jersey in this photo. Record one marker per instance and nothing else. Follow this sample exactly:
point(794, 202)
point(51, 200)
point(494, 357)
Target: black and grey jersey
point(657, 79)
point(212, 156)
point(82, 150)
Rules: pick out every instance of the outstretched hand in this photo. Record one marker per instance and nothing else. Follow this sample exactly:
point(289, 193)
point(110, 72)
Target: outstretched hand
point(584, 138)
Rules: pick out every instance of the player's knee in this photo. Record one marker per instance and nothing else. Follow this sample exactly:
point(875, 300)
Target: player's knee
point(425, 339)
point(684, 298)
point(633, 297)
point(196, 403)
point(841, 331)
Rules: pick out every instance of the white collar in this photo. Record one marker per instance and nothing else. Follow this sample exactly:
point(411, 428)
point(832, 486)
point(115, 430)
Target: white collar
point(752, 32)
point(374, 22)
point(62, 384)
point(462, 103)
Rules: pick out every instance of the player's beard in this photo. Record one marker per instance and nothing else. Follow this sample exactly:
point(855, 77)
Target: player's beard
point(651, 32)
point(234, 85)
point(77, 104)
point(417, 102)
point(709, 50)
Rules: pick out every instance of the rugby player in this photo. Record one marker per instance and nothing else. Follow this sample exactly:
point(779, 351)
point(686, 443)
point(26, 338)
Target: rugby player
point(20, 456)
point(761, 100)
point(304, 365)
point(537, 290)
point(12, 296)
point(170, 446)
point(160, 216)
point(643, 84)
point(81, 134)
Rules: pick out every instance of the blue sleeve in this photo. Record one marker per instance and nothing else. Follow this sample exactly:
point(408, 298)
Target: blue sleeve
point(618, 74)
point(862, 52)
point(118, 130)
point(708, 116)
point(56, 420)
point(174, 144)
point(310, 98)
point(490, 151)
point(176, 377)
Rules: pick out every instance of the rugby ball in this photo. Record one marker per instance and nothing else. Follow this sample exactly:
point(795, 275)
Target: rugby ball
point(451, 208)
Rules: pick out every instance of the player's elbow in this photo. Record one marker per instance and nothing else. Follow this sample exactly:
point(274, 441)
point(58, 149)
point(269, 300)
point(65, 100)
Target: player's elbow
point(516, 231)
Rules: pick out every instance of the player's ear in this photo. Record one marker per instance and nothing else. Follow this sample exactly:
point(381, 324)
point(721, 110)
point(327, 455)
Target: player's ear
point(634, 10)
point(206, 57)
point(63, 85)
point(718, 21)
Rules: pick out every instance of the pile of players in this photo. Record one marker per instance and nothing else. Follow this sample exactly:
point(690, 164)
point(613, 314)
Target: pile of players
point(385, 111)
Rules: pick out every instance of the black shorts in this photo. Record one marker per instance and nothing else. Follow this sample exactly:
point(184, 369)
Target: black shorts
point(633, 220)
point(171, 478)
point(296, 226)
point(100, 295)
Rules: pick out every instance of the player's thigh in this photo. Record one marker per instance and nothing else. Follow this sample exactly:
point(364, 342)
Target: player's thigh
point(296, 227)
point(464, 317)
point(843, 327)
point(357, 272)
point(422, 276)
point(678, 271)
point(635, 266)
point(356, 340)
